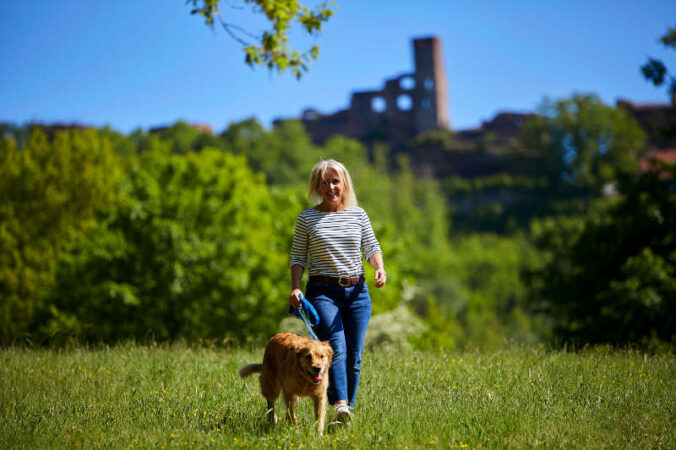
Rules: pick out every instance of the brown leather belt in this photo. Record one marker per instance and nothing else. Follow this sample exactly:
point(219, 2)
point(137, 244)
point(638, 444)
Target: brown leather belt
point(341, 281)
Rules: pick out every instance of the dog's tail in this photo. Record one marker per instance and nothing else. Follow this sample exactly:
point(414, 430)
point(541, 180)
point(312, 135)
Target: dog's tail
point(250, 369)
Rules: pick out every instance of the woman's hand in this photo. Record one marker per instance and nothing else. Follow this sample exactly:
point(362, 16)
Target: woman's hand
point(381, 278)
point(294, 298)
point(376, 262)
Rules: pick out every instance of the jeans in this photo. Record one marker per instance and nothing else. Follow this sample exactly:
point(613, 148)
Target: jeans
point(344, 314)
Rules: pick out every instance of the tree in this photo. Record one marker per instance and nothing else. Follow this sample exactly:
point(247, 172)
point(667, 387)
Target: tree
point(583, 143)
point(655, 70)
point(611, 276)
point(285, 154)
point(184, 138)
point(197, 247)
point(50, 191)
point(272, 49)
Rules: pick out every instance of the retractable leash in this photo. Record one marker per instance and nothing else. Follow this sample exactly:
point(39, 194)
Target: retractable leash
point(304, 311)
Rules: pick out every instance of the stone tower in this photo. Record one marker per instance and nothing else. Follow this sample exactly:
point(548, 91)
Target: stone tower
point(430, 94)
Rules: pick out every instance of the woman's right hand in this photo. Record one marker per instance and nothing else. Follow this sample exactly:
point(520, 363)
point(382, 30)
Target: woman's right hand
point(294, 298)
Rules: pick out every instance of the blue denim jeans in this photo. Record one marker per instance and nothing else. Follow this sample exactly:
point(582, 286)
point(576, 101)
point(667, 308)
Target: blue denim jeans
point(344, 314)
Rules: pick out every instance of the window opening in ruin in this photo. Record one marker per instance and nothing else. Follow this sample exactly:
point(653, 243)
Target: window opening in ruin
point(310, 115)
point(378, 104)
point(407, 83)
point(428, 83)
point(426, 103)
point(404, 102)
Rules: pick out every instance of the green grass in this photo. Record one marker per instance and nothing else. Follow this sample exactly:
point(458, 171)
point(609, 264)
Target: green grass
point(131, 396)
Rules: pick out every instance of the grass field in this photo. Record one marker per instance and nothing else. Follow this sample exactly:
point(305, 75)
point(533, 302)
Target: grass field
point(131, 396)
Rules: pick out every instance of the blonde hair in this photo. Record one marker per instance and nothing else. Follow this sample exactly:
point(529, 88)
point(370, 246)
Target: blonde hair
point(317, 175)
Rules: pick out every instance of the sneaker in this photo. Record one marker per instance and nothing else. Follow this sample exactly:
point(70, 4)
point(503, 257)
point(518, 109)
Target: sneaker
point(343, 414)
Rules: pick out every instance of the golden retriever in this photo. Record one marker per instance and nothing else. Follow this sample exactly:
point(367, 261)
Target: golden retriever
point(297, 366)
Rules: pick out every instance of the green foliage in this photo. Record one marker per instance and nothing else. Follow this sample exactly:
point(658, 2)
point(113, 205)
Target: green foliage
point(561, 161)
point(196, 247)
point(582, 143)
point(656, 72)
point(474, 295)
point(183, 138)
point(188, 240)
point(435, 139)
point(50, 192)
point(272, 49)
point(17, 133)
point(285, 155)
point(455, 185)
point(611, 276)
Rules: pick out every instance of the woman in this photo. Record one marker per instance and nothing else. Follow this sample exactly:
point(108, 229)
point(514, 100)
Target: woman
point(332, 234)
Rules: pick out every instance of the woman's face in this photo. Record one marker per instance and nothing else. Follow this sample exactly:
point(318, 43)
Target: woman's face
point(331, 187)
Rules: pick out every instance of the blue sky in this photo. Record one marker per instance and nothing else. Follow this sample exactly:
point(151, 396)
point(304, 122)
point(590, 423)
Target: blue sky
point(143, 63)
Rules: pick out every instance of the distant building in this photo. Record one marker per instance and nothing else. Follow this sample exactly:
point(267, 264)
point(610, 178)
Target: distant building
point(406, 106)
point(414, 103)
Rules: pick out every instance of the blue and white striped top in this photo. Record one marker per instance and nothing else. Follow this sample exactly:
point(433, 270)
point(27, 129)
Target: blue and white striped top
point(333, 242)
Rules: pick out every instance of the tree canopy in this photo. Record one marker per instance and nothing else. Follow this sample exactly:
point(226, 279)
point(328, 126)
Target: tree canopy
point(583, 143)
point(610, 276)
point(182, 233)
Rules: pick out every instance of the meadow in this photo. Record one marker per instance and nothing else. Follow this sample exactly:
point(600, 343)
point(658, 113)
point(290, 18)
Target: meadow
point(165, 396)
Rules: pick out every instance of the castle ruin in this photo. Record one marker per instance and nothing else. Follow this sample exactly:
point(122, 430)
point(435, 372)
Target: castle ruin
point(406, 106)
point(417, 102)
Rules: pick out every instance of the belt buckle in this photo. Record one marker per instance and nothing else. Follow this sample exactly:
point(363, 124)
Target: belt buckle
point(340, 282)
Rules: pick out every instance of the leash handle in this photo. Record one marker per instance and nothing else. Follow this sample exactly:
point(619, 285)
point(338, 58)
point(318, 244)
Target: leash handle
point(307, 308)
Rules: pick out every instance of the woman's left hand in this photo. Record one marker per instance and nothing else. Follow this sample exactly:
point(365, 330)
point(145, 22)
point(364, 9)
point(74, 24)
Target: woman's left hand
point(381, 278)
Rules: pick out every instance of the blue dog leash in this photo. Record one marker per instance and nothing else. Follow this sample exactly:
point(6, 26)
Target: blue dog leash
point(304, 311)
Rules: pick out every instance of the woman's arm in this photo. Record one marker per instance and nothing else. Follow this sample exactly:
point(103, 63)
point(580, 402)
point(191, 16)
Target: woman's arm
point(377, 262)
point(299, 251)
point(296, 276)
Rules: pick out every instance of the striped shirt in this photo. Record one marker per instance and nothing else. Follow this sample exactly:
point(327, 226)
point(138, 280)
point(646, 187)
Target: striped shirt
point(333, 242)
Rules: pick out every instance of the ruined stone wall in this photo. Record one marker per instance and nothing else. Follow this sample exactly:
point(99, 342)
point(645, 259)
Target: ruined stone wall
point(407, 105)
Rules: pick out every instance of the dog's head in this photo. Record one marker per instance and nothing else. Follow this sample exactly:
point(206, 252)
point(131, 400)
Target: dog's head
point(314, 359)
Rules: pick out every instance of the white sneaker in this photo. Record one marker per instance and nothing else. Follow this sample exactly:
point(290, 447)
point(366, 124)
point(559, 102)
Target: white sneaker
point(343, 414)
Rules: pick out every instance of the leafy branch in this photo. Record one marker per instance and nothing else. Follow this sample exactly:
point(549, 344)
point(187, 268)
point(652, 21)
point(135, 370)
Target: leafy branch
point(271, 48)
point(655, 70)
